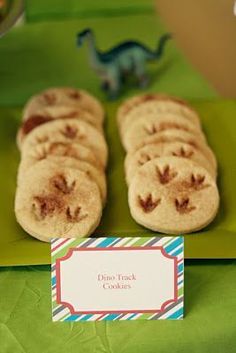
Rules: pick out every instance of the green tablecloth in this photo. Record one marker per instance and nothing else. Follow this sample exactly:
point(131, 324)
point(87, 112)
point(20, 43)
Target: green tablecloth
point(41, 54)
point(59, 9)
point(209, 325)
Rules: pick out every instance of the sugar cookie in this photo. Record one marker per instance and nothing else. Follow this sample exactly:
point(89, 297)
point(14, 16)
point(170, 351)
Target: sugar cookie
point(173, 195)
point(152, 124)
point(157, 103)
point(134, 161)
point(69, 130)
point(57, 201)
point(64, 96)
point(42, 116)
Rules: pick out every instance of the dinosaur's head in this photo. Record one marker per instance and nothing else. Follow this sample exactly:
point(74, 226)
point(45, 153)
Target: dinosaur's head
point(81, 36)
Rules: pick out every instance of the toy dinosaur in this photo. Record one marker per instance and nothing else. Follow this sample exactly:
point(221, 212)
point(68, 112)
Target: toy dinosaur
point(122, 60)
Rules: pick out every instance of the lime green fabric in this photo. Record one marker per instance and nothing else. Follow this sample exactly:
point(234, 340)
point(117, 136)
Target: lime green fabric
point(18, 248)
point(57, 9)
point(208, 326)
point(42, 54)
point(39, 55)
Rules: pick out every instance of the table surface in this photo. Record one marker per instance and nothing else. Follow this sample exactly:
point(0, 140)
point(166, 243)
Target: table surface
point(39, 54)
point(208, 326)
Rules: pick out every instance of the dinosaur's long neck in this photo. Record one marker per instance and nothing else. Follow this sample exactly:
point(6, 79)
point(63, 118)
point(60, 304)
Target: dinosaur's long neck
point(94, 53)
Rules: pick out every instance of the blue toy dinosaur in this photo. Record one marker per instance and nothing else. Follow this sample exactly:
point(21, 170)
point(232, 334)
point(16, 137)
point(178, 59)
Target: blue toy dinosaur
point(122, 60)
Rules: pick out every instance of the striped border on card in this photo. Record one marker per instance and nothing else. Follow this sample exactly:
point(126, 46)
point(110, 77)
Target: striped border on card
point(173, 246)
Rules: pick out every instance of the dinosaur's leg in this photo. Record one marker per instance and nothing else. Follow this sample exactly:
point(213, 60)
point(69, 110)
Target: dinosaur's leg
point(140, 73)
point(105, 85)
point(114, 83)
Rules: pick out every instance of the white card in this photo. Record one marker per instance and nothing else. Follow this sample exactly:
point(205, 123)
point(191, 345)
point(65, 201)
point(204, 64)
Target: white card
point(117, 278)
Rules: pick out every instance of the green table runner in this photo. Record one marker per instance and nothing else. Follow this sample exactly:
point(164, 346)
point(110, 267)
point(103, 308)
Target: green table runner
point(208, 327)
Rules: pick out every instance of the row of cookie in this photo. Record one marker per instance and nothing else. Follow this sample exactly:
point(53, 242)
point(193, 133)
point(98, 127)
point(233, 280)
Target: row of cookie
point(61, 183)
point(170, 169)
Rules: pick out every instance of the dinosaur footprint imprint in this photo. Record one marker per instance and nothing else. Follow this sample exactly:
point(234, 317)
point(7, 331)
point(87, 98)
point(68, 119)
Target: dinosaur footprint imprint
point(69, 132)
point(183, 153)
point(197, 182)
point(148, 204)
point(40, 155)
point(44, 206)
point(182, 205)
point(151, 129)
point(59, 182)
point(42, 139)
point(74, 94)
point(49, 98)
point(166, 175)
point(154, 128)
point(144, 158)
point(75, 216)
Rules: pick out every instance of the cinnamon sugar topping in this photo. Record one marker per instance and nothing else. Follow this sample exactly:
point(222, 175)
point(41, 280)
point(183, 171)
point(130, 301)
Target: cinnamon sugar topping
point(74, 94)
point(148, 204)
point(183, 207)
point(197, 182)
point(49, 98)
point(46, 205)
point(70, 131)
point(167, 175)
point(60, 183)
point(75, 216)
point(183, 153)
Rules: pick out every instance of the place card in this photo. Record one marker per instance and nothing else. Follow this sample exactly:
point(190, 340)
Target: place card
point(112, 278)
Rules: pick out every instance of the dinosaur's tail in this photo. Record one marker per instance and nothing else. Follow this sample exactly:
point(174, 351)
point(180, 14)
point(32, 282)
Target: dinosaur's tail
point(161, 44)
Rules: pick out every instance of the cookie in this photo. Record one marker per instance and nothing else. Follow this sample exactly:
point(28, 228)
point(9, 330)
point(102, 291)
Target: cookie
point(173, 195)
point(57, 201)
point(175, 135)
point(158, 109)
point(42, 116)
point(64, 96)
point(157, 103)
point(152, 124)
point(69, 131)
point(63, 149)
point(134, 161)
point(93, 173)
